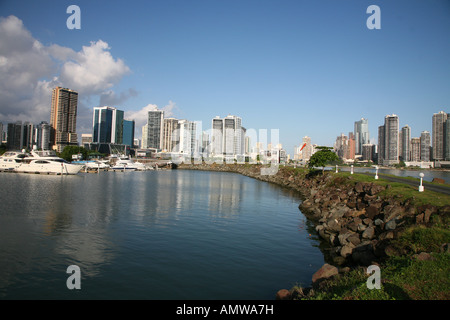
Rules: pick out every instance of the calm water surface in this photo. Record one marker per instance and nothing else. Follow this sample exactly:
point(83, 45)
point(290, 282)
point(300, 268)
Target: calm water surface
point(152, 235)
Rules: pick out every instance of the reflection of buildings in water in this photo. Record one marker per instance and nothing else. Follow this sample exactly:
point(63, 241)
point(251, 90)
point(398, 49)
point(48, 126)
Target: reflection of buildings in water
point(225, 193)
point(98, 199)
point(88, 248)
point(165, 194)
point(169, 193)
point(80, 218)
point(177, 193)
point(57, 221)
point(155, 196)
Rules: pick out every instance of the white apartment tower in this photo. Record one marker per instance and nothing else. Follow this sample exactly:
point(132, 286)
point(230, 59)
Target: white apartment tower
point(228, 136)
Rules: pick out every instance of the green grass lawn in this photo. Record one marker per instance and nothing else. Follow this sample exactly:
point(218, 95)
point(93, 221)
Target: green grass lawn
point(399, 190)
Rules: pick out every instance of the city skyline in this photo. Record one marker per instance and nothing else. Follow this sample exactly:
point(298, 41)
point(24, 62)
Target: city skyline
point(297, 66)
point(108, 126)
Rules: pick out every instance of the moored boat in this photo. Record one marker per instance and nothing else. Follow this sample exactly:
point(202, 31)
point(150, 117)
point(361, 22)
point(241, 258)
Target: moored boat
point(45, 162)
point(126, 164)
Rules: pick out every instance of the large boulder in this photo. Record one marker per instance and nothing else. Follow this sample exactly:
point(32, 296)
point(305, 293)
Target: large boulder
point(372, 211)
point(283, 294)
point(369, 233)
point(325, 272)
point(363, 254)
point(390, 225)
point(373, 189)
point(392, 211)
point(333, 226)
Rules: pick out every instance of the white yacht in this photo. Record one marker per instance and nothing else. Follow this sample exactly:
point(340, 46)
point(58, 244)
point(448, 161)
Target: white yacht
point(97, 165)
point(125, 163)
point(45, 162)
point(11, 160)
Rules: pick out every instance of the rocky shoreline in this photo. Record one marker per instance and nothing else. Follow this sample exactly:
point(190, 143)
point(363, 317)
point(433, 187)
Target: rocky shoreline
point(356, 223)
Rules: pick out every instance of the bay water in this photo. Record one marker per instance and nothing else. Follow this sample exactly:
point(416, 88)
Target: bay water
point(154, 235)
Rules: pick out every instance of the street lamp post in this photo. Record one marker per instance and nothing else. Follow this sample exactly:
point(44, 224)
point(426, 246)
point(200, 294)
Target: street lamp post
point(421, 188)
point(376, 173)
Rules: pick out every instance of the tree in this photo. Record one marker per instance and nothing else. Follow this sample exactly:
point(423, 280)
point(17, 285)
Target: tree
point(321, 157)
point(68, 151)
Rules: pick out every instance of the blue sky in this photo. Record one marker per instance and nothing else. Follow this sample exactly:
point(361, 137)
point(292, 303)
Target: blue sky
point(304, 67)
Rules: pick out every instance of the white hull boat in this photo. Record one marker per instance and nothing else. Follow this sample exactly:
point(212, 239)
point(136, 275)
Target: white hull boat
point(45, 162)
point(126, 164)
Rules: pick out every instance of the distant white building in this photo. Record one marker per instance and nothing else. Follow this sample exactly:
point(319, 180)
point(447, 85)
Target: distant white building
point(228, 137)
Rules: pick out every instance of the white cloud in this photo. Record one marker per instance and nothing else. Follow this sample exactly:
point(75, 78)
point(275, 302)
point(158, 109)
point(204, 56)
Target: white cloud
point(93, 69)
point(30, 70)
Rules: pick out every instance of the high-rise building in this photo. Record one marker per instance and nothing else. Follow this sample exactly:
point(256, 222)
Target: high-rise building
point(438, 130)
point(351, 146)
point(405, 143)
point(247, 145)
point(14, 138)
point(415, 149)
point(1, 133)
point(306, 152)
point(368, 152)
point(128, 127)
point(117, 128)
point(102, 124)
point(63, 118)
point(194, 140)
point(227, 136)
point(155, 127)
point(42, 136)
point(217, 136)
point(27, 135)
point(144, 136)
point(108, 125)
point(447, 139)
point(361, 134)
point(345, 146)
point(233, 136)
point(425, 144)
point(391, 129)
point(381, 144)
point(186, 143)
point(205, 144)
point(170, 134)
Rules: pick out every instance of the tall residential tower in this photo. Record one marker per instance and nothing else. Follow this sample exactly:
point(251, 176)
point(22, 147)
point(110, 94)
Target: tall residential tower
point(439, 135)
point(228, 136)
point(388, 152)
point(63, 118)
